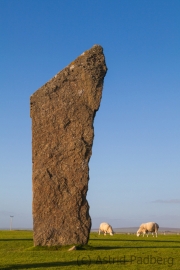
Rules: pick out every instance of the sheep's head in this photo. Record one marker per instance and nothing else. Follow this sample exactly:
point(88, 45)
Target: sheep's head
point(110, 230)
point(138, 233)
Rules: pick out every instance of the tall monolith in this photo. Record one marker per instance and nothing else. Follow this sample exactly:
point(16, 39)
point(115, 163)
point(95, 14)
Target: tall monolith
point(62, 113)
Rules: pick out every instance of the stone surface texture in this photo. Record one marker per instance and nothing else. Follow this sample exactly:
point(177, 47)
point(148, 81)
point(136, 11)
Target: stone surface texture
point(62, 113)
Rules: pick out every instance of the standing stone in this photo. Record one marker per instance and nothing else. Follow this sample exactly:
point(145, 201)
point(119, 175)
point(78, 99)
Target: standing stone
point(62, 113)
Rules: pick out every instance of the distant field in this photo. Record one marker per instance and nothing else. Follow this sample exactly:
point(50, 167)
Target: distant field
point(121, 251)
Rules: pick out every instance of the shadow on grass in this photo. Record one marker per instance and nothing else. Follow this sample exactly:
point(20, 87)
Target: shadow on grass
point(40, 265)
point(81, 261)
point(93, 248)
point(16, 239)
point(125, 247)
point(136, 240)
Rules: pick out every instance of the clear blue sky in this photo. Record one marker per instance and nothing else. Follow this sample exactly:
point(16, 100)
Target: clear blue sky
point(135, 165)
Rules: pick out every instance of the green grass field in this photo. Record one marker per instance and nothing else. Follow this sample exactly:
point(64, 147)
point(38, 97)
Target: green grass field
point(120, 251)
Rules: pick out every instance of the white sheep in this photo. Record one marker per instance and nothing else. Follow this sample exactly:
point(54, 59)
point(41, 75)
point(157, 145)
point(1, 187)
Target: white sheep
point(106, 228)
point(145, 228)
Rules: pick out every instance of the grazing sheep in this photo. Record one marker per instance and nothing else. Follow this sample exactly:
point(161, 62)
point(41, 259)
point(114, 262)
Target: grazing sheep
point(106, 228)
point(145, 228)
